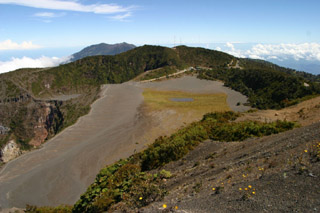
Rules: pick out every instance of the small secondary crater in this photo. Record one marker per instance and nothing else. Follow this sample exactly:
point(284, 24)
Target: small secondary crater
point(182, 99)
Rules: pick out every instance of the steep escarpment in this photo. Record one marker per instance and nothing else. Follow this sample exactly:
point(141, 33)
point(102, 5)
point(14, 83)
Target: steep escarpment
point(28, 121)
point(28, 124)
point(10, 151)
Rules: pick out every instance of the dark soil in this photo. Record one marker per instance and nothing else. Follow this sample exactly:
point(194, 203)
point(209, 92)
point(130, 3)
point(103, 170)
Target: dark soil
point(282, 170)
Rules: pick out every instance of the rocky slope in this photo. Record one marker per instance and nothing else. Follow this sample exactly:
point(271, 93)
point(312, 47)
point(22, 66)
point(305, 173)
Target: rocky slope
point(31, 122)
point(277, 173)
point(10, 151)
point(27, 121)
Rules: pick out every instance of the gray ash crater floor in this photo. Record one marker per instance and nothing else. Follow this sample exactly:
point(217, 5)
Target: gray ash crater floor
point(60, 171)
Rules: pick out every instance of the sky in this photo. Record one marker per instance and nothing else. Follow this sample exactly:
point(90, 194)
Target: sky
point(39, 33)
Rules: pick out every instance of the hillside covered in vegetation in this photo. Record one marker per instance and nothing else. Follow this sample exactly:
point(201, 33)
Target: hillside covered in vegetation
point(266, 89)
point(266, 85)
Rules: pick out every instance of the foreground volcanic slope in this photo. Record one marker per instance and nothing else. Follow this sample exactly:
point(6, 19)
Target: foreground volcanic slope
point(278, 173)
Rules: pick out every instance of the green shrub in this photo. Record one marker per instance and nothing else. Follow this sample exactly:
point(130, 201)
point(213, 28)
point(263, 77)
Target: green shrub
point(265, 86)
point(165, 174)
point(46, 209)
point(120, 182)
point(167, 149)
point(246, 129)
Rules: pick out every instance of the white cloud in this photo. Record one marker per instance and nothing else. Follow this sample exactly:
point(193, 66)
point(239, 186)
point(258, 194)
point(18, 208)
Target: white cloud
point(26, 62)
point(49, 15)
point(230, 45)
point(122, 17)
point(304, 51)
point(70, 5)
point(232, 50)
point(272, 57)
point(45, 14)
point(10, 45)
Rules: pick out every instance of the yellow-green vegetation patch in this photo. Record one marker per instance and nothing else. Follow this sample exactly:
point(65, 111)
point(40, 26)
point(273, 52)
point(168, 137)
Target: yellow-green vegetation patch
point(195, 102)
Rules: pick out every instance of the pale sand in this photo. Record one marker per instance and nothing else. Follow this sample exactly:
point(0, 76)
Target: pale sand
point(65, 166)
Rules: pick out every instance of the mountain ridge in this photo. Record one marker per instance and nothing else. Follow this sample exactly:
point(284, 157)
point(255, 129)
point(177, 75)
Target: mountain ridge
point(102, 49)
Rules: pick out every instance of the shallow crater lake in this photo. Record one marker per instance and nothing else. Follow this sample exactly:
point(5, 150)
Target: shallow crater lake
point(181, 99)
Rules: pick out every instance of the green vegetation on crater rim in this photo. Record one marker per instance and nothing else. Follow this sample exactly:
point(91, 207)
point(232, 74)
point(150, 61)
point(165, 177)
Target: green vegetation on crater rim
point(265, 88)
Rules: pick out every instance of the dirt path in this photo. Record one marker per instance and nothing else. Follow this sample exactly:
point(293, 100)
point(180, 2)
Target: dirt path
point(164, 77)
point(236, 66)
point(60, 97)
point(62, 170)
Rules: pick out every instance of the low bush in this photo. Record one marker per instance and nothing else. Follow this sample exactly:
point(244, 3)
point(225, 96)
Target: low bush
point(46, 209)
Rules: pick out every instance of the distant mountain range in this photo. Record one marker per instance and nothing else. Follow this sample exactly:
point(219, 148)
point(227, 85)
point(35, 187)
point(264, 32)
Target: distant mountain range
point(102, 49)
point(309, 66)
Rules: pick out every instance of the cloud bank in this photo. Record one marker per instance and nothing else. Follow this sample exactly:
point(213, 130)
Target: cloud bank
point(10, 45)
point(70, 5)
point(305, 51)
point(26, 62)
